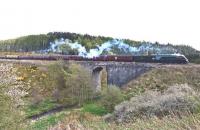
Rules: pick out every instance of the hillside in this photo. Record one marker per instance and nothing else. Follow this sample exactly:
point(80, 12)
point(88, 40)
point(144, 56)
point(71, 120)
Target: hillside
point(72, 43)
point(37, 88)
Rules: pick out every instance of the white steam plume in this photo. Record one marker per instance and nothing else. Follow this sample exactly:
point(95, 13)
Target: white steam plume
point(108, 46)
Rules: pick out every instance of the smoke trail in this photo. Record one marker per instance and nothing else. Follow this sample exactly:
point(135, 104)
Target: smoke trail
point(56, 46)
point(112, 46)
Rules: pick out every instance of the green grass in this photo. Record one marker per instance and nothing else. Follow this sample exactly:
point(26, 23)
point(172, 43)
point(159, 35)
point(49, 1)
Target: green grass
point(41, 107)
point(45, 123)
point(94, 109)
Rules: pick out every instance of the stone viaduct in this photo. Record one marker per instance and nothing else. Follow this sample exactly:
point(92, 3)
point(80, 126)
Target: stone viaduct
point(118, 73)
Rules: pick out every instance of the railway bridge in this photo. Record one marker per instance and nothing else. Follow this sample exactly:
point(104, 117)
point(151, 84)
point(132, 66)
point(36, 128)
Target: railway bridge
point(118, 73)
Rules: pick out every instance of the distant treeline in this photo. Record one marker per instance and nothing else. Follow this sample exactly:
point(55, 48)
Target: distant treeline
point(41, 42)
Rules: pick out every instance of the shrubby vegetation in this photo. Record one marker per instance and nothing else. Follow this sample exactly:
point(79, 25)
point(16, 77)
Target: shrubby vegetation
point(72, 84)
point(69, 83)
point(110, 97)
point(59, 84)
point(176, 100)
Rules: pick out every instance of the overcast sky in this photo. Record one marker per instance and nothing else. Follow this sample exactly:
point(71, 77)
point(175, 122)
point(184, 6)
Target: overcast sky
point(173, 21)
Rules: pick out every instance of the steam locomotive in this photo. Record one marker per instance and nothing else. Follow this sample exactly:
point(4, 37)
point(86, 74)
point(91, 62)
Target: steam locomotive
point(161, 58)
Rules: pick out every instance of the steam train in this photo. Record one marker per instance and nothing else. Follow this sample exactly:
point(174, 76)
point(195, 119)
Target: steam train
point(161, 58)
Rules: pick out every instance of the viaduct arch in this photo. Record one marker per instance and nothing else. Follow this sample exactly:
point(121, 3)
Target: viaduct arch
point(118, 73)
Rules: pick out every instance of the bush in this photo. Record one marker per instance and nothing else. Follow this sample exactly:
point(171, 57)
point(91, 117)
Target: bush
point(38, 83)
point(72, 83)
point(94, 109)
point(176, 100)
point(111, 96)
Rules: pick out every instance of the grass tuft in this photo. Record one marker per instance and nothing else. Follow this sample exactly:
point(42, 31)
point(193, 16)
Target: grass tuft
point(95, 109)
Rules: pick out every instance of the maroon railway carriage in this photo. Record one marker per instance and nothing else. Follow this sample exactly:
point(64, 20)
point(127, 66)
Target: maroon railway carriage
point(77, 58)
point(170, 58)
